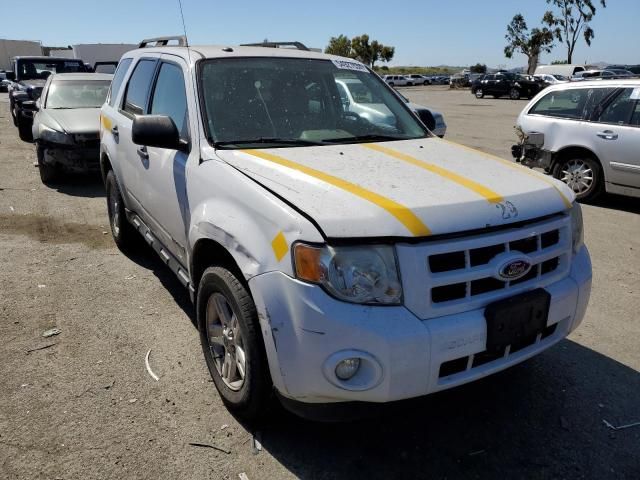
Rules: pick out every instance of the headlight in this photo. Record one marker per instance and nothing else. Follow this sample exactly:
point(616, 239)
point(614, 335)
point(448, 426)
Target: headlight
point(577, 228)
point(54, 136)
point(367, 274)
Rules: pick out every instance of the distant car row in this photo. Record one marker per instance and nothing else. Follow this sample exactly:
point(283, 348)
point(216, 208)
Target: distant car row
point(415, 79)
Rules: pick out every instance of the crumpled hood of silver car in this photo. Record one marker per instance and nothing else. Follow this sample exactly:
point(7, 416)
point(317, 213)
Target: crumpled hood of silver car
point(74, 121)
point(411, 188)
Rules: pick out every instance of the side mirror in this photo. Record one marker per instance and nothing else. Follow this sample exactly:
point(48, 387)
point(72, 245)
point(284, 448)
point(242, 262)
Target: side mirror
point(157, 131)
point(30, 106)
point(11, 76)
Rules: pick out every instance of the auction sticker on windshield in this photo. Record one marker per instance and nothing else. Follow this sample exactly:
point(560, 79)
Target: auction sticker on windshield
point(349, 65)
point(635, 95)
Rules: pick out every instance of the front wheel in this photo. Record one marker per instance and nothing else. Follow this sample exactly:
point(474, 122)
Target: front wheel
point(514, 94)
point(232, 343)
point(479, 93)
point(24, 130)
point(48, 173)
point(582, 175)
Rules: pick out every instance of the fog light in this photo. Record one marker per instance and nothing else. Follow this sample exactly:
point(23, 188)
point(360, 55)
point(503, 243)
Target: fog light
point(347, 368)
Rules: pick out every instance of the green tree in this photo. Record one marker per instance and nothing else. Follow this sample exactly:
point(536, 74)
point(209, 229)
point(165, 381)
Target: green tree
point(571, 21)
point(369, 52)
point(478, 68)
point(340, 45)
point(531, 43)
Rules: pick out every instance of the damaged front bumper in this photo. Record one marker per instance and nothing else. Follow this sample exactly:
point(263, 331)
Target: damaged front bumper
point(530, 152)
point(83, 157)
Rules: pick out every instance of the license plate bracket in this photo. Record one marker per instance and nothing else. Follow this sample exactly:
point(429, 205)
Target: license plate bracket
point(515, 319)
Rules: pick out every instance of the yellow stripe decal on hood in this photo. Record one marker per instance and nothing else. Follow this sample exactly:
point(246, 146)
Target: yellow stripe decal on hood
point(481, 190)
point(403, 214)
point(520, 168)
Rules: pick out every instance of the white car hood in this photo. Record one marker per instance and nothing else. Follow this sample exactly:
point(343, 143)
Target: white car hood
point(409, 188)
point(75, 121)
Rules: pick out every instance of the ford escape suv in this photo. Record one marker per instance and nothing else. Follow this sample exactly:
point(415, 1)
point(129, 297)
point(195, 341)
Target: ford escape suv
point(332, 259)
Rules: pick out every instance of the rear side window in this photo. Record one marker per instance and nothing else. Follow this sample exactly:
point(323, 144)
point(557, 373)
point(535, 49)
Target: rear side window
point(562, 103)
point(118, 78)
point(170, 97)
point(621, 109)
point(135, 98)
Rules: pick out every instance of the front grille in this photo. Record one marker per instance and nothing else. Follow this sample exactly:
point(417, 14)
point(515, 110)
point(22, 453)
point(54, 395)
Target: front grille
point(472, 260)
point(459, 274)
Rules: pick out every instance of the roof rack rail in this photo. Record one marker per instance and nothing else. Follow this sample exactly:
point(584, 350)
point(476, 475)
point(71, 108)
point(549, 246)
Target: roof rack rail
point(163, 41)
point(298, 45)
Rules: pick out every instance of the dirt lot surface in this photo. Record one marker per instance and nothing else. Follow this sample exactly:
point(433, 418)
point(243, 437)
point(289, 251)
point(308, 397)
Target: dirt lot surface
point(84, 407)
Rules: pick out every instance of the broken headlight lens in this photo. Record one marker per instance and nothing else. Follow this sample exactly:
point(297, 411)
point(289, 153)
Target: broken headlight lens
point(366, 274)
point(577, 227)
point(50, 135)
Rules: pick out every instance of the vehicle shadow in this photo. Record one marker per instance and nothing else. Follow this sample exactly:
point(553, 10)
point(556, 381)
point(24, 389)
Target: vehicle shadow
point(542, 419)
point(80, 185)
point(618, 202)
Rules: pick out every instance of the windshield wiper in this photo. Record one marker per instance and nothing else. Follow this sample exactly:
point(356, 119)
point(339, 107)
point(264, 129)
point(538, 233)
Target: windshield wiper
point(364, 138)
point(277, 140)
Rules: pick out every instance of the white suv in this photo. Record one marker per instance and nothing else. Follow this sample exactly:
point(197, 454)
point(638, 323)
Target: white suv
point(586, 134)
point(331, 259)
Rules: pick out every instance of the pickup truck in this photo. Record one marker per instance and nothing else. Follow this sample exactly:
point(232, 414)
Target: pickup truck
point(331, 259)
point(28, 76)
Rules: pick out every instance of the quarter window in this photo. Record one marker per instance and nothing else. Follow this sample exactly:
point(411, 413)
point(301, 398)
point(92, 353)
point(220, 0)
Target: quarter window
point(170, 97)
point(118, 78)
point(620, 110)
point(135, 99)
point(568, 103)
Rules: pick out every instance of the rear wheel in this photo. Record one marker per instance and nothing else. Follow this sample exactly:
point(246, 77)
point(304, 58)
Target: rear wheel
point(48, 173)
point(479, 93)
point(514, 94)
point(582, 174)
point(232, 343)
point(24, 130)
point(121, 230)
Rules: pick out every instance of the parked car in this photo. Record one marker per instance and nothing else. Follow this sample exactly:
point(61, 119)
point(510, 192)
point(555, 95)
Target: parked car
point(4, 83)
point(331, 259)
point(586, 134)
point(397, 80)
point(602, 74)
point(503, 84)
point(67, 122)
point(358, 98)
point(419, 79)
point(28, 76)
point(566, 70)
point(549, 79)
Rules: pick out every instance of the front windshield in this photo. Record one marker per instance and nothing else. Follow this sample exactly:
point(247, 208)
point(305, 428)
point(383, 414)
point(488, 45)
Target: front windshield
point(40, 69)
point(77, 93)
point(289, 102)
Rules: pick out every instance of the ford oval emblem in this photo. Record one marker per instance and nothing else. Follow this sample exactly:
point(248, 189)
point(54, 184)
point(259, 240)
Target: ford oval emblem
point(514, 269)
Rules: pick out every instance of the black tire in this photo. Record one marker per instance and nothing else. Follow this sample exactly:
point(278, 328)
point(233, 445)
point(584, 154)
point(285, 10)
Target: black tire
point(562, 171)
point(479, 93)
point(24, 130)
point(13, 115)
point(514, 94)
point(48, 173)
point(426, 82)
point(124, 235)
point(391, 84)
point(252, 398)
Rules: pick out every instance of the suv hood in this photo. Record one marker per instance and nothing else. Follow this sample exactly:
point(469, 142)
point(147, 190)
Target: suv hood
point(410, 188)
point(74, 121)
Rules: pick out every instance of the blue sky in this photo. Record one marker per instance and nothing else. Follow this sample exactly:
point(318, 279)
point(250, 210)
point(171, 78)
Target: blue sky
point(424, 32)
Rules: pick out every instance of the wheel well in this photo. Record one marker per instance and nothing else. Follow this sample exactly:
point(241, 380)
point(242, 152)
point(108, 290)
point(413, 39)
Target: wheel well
point(576, 152)
point(208, 252)
point(105, 166)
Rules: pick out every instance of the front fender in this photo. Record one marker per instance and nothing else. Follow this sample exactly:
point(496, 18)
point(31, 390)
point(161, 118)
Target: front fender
point(254, 226)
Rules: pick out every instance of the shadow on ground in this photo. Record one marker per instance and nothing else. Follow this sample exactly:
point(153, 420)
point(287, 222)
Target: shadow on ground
point(80, 185)
point(619, 202)
point(541, 419)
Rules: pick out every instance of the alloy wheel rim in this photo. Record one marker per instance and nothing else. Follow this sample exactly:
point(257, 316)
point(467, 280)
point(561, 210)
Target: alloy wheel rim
point(225, 342)
point(515, 94)
point(115, 212)
point(578, 175)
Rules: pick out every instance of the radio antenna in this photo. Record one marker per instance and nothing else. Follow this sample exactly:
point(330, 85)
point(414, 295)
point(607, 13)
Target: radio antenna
point(193, 83)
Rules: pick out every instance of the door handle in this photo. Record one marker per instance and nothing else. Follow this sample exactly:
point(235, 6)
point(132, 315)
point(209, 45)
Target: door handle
point(142, 153)
point(608, 135)
point(114, 131)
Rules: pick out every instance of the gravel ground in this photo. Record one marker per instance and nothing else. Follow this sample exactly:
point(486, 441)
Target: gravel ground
point(84, 407)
